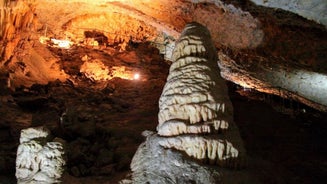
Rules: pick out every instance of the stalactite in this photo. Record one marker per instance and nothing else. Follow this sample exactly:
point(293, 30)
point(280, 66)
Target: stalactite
point(15, 17)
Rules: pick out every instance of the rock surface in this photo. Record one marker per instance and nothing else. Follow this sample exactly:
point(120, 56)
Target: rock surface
point(104, 121)
point(153, 163)
point(313, 10)
point(194, 102)
point(284, 147)
point(15, 17)
point(238, 25)
point(39, 160)
point(291, 82)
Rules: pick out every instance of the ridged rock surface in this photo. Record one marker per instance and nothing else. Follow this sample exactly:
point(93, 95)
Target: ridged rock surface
point(14, 17)
point(195, 118)
point(194, 101)
point(39, 160)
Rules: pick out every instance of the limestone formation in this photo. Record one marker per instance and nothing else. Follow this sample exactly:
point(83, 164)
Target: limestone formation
point(290, 82)
point(194, 101)
point(39, 160)
point(192, 94)
point(195, 118)
point(313, 10)
point(215, 151)
point(153, 163)
point(15, 16)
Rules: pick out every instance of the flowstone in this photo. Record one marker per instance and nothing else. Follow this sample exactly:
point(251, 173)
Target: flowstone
point(197, 140)
point(39, 160)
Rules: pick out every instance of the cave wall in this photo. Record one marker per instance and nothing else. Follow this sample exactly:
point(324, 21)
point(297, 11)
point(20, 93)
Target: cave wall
point(311, 9)
point(15, 16)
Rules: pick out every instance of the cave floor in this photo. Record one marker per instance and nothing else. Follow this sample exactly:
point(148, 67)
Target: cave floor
point(102, 121)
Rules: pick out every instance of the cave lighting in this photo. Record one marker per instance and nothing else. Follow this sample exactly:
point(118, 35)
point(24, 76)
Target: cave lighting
point(136, 76)
point(66, 44)
point(122, 72)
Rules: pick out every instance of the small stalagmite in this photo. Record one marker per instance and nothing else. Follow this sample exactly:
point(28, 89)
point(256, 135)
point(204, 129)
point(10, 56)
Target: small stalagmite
point(39, 158)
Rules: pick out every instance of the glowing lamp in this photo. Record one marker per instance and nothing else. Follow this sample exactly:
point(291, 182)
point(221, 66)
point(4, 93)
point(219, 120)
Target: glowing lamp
point(136, 76)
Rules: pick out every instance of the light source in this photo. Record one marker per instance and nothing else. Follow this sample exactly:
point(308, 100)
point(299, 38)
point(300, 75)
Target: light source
point(136, 76)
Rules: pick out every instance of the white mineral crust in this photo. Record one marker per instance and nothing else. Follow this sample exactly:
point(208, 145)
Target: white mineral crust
point(195, 113)
point(39, 161)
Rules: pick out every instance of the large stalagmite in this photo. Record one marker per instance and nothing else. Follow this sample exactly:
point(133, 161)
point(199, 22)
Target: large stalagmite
point(195, 117)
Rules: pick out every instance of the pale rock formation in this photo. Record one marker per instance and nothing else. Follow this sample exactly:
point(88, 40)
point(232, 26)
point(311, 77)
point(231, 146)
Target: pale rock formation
point(291, 82)
point(192, 94)
point(29, 134)
point(95, 70)
point(311, 9)
point(231, 27)
point(195, 101)
point(39, 160)
point(216, 151)
point(153, 163)
point(195, 118)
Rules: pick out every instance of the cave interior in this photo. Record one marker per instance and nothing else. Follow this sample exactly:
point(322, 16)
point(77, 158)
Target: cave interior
point(93, 71)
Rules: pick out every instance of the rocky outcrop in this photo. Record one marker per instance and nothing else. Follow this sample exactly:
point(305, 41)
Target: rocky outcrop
point(115, 28)
point(27, 61)
point(291, 82)
point(231, 27)
point(195, 117)
point(15, 16)
point(313, 10)
point(152, 163)
point(39, 160)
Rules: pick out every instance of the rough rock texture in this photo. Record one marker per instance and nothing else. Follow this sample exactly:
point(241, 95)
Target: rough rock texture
point(38, 160)
point(292, 82)
point(194, 101)
point(237, 25)
point(20, 53)
point(232, 26)
point(95, 70)
point(154, 164)
point(311, 9)
point(214, 150)
point(15, 16)
point(121, 28)
point(33, 63)
point(194, 93)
